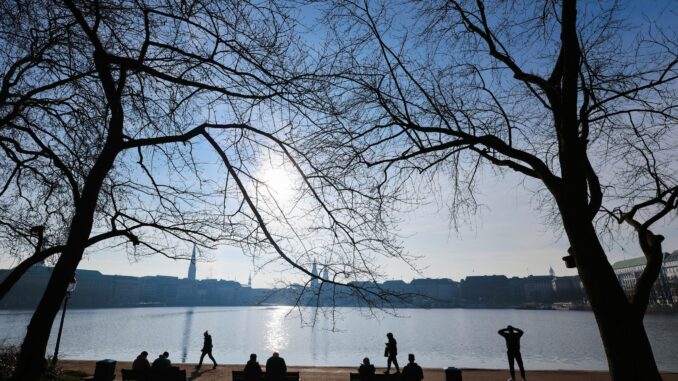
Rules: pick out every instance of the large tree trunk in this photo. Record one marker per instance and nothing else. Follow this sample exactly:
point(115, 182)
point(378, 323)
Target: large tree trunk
point(31, 362)
point(628, 350)
point(627, 347)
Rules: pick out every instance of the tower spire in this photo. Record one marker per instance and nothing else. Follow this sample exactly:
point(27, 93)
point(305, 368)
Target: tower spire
point(191, 267)
point(314, 271)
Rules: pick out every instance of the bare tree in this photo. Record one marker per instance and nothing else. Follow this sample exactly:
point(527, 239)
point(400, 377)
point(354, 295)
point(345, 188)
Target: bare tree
point(118, 121)
point(571, 95)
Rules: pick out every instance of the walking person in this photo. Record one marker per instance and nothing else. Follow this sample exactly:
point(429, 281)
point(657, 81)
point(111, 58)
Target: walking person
point(412, 371)
point(512, 336)
point(391, 351)
point(207, 350)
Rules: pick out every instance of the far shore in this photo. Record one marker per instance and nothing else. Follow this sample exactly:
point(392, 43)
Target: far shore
point(311, 373)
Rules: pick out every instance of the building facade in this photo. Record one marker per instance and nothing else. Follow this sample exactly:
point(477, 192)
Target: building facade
point(665, 289)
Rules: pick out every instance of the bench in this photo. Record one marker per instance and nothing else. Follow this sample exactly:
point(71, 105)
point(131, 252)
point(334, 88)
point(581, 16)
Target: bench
point(239, 375)
point(171, 374)
point(377, 377)
point(133, 375)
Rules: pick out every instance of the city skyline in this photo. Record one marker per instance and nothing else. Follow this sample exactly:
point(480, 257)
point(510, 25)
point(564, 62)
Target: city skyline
point(510, 239)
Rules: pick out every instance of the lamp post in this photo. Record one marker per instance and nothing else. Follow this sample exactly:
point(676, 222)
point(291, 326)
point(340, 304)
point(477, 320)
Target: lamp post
point(71, 288)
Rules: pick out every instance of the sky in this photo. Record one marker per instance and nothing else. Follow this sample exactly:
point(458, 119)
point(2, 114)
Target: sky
point(507, 237)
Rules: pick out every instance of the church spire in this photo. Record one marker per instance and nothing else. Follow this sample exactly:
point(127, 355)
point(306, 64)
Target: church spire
point(314, 271)
point(191, 267)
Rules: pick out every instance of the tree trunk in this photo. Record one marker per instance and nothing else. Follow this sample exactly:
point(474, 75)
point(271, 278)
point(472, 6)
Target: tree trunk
point(32, 357)
point(31, 362)
point(627, 347)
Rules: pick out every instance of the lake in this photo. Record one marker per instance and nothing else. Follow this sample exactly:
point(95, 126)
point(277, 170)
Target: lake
point(440, 338)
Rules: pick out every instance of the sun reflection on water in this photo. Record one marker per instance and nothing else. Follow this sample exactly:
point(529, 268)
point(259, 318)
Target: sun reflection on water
point(277, 337)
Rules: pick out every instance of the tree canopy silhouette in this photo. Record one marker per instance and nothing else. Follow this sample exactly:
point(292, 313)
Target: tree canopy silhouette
point(143, 124)
point(569, 94)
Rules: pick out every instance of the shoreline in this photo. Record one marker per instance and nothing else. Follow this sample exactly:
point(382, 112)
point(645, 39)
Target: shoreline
point(323, 373)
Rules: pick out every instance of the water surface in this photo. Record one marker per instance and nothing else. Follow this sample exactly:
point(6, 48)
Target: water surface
point(440, 338)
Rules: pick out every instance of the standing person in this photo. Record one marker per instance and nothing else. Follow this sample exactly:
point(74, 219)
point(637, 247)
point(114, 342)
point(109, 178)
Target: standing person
point(512, 336)
point(366, 370)
point(391, 352)
point(207, 350)
point(276, 369)
point(412, 371)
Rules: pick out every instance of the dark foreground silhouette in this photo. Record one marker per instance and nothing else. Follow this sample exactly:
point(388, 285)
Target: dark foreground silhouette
point(412, 371)
point(207, 350)
point(512, 336)
point(276, 369)
point(391, 351)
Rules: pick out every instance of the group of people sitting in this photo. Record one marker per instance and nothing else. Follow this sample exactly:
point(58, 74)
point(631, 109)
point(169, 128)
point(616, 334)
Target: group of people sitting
point(141, 363)
point(411, 372)
point(276, 369)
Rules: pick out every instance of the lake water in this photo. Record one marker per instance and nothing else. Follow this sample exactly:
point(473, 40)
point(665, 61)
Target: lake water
point(440, 338)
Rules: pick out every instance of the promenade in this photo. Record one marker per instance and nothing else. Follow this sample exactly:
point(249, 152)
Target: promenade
point(223, 373)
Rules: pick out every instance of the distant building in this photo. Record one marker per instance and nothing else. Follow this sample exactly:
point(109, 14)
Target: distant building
point(538, 289)
point(671, 273)
point(435, 292)
point(486, 290)
point(664, 289)
point(314, 272)
point(191, 267)
point(568, 289)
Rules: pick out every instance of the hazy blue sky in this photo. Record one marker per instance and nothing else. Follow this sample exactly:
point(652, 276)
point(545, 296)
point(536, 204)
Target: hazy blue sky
point(507, 238)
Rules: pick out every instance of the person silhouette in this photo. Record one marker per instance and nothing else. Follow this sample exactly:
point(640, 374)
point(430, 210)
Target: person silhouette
point(252, 369)
point(512, 336)
point(366, 370)
point(141, 363)
point(391, 351)
point(207, 350)
point(276, 369)
point(412, 371)
point(162, 362)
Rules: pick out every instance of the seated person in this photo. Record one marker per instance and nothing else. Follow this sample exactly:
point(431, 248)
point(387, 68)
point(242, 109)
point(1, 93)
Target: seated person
point(162, 362)
point(141, 363)
point(412, 371)
point(276, 369)
point(366, 370)
point(253, 369)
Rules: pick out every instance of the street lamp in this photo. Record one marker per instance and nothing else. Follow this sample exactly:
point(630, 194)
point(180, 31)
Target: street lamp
point(71, 288)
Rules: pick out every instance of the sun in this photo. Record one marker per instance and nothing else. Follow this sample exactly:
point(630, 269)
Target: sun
point(279, 180)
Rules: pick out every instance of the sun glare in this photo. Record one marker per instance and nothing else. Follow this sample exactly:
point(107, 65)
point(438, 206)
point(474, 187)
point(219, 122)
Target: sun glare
point(279, 181)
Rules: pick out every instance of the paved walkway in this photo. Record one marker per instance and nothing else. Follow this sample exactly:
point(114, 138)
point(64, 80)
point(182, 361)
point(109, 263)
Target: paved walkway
point(223, 373)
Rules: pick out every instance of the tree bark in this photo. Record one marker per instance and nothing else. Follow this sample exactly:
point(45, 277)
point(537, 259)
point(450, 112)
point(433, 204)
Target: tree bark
point(31, 362)
point(628, 350)
point(32, 357)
